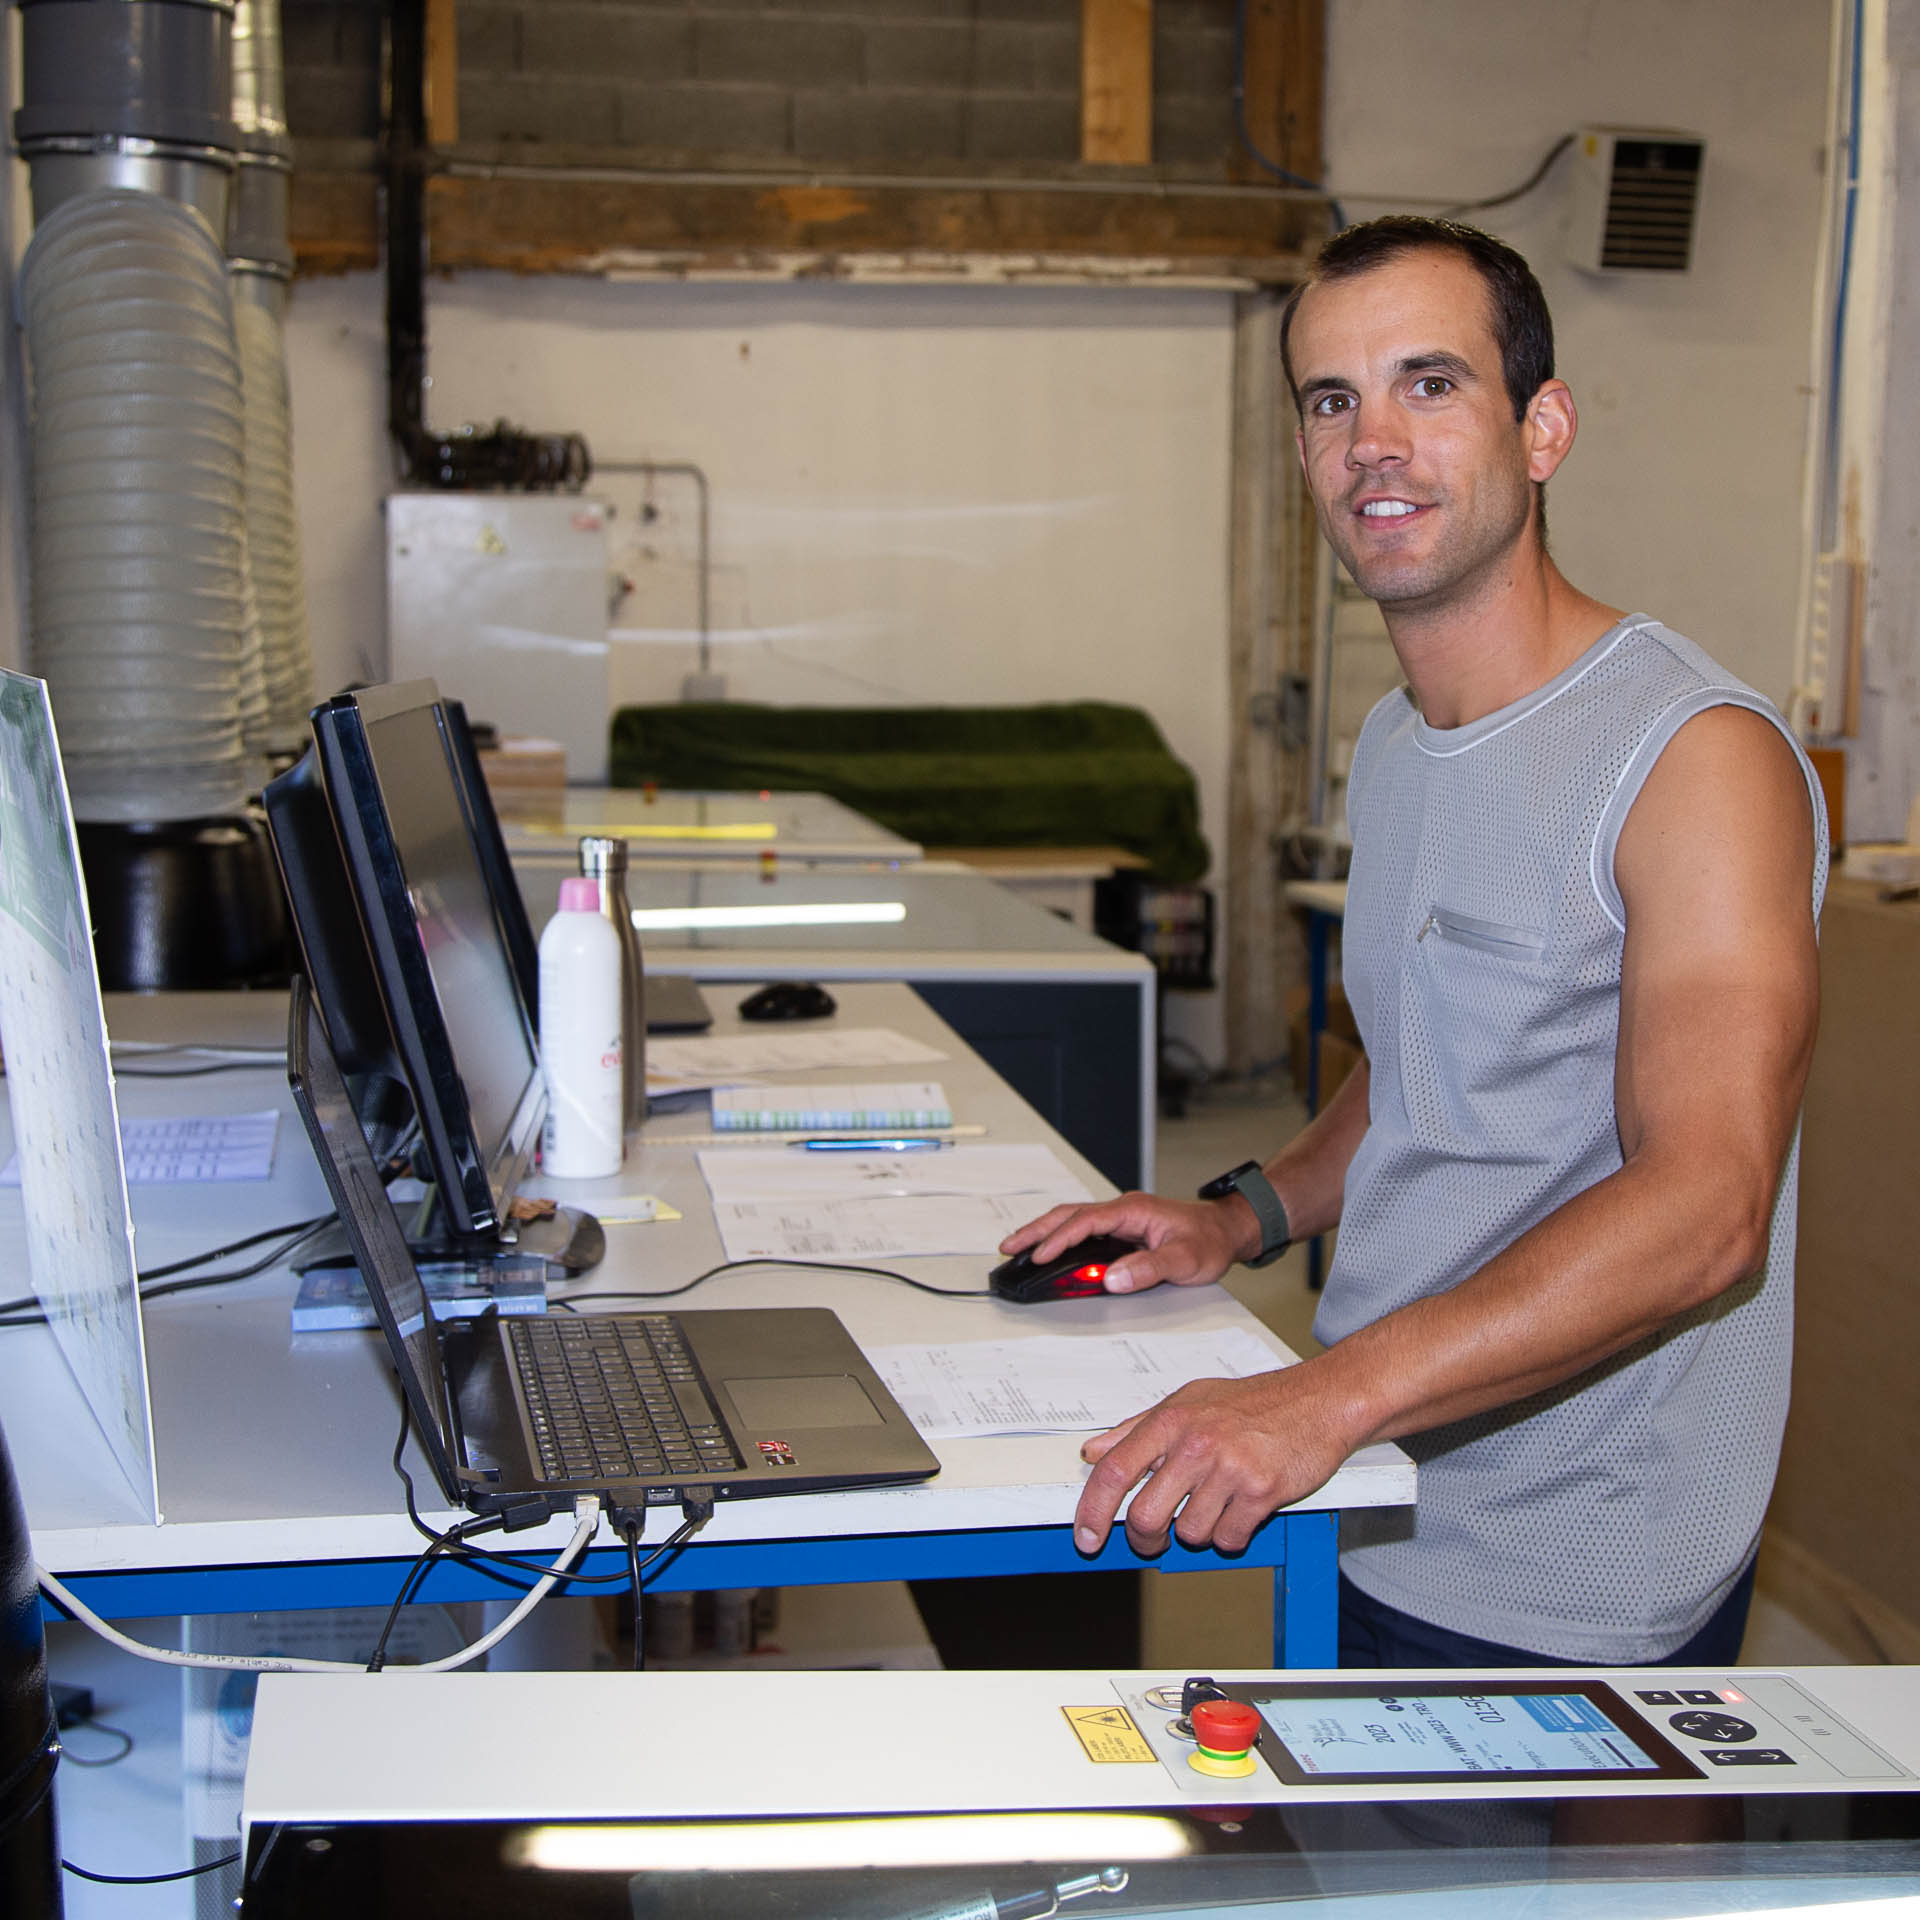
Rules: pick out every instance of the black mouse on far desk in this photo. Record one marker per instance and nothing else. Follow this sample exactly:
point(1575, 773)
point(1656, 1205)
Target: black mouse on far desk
point(787, 1000)
point(1075, 1273)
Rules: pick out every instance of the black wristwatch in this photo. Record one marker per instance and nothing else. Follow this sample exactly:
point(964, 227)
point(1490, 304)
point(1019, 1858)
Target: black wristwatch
point(1256, 1190)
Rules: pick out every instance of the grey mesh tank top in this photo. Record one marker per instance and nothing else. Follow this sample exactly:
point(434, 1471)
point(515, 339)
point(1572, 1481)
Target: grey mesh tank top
point(1605, 1519)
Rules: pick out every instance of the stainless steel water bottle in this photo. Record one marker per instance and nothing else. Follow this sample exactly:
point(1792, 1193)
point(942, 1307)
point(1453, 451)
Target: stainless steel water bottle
point(603, 857)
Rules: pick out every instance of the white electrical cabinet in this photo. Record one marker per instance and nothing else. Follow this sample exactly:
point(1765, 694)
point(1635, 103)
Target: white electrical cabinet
point(501, 598)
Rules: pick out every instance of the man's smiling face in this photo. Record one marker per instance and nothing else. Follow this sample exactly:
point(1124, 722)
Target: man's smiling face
point(1422, 477)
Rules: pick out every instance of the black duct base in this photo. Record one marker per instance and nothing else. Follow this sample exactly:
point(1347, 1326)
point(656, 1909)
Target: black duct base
point(29, 1849)
point(185, 904)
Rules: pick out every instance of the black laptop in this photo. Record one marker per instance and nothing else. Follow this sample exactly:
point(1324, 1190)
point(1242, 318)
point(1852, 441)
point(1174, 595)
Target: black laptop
point(642, 1409)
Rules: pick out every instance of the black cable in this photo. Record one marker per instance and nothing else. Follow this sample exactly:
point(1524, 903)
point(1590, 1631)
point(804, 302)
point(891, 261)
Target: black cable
point(99, 1726)
point(768, 1260)
point(416, 1573)
point(631, 1533)
point(453, 1543)
point(13, 1312)
point(1520, 192)
point(669, 1548)
point(297, 1227)
point(1245, 132)
point(151, 1879)
point(189, 1073)
point(273, 1257)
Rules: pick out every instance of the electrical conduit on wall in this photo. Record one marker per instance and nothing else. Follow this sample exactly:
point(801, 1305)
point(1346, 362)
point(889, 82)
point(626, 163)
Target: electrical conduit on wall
point(139, 560)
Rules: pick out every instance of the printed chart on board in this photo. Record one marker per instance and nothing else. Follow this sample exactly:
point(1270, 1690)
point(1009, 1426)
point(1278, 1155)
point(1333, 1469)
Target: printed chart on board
point(65, 1127)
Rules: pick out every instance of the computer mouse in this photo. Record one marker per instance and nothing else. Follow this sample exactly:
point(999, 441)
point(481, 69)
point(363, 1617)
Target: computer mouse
point(1071, 1274)
point(788, 1000)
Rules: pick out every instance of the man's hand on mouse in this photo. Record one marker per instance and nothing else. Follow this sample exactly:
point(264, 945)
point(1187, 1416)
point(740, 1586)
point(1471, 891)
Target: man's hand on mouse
point(1218, 1457)
point(1184, 1242)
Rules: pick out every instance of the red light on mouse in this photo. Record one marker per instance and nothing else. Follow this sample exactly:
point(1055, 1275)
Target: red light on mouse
point(1087, 1279)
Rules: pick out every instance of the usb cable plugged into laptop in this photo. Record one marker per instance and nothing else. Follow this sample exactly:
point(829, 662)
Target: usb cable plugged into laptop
point(630, 1522)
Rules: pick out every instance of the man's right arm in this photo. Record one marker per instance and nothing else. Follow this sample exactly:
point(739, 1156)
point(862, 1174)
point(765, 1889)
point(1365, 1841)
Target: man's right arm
point(1190, 1242)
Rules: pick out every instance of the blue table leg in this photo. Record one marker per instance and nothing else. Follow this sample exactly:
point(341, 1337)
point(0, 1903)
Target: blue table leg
point(1306, 1597)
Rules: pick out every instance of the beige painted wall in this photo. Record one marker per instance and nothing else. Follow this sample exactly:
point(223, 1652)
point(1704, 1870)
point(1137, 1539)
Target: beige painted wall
point(919, 494)
point(1682, 498)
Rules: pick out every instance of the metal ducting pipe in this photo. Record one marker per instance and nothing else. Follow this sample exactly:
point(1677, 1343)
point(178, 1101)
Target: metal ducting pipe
point(261, 259)
point(138, 554)
point(143, 619)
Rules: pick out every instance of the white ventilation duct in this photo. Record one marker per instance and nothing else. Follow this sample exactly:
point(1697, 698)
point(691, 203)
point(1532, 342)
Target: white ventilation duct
point(142, 602)
point(139, 533)
point(262, 266)
point(143, 619)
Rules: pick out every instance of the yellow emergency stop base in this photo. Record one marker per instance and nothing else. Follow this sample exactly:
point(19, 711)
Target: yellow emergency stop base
point(1223, 1766)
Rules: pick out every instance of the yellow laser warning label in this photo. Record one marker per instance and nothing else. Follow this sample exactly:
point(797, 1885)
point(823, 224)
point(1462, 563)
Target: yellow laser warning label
point(1108, 1735)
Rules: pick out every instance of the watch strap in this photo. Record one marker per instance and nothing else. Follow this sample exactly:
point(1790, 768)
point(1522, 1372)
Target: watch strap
point(1253, 1186)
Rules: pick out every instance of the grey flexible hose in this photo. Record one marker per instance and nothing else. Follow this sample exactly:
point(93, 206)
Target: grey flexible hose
point(139, 535)
point(273, 531)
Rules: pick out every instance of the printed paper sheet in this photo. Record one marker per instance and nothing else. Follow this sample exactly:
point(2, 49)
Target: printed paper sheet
point(1057, 1383)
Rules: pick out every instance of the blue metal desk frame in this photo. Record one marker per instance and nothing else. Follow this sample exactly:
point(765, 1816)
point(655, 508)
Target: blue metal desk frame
point(1300, 1547)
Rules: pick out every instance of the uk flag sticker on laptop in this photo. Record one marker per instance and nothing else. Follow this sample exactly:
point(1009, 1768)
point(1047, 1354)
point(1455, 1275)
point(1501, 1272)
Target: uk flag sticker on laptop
point(778, 1453)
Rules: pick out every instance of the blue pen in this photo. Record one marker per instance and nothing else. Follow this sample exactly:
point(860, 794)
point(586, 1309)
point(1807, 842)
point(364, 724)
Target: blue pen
point(918, 1143)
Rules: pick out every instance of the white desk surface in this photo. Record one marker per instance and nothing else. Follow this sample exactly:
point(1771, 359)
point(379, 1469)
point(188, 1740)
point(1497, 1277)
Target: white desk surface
point(676, 825)
point(275, 1449)
point(950, 924)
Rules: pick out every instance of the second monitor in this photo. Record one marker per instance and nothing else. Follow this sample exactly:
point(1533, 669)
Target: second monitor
point(410, 947)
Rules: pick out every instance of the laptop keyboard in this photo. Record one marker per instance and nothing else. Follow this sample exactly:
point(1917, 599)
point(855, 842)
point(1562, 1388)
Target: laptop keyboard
point(616, 1397)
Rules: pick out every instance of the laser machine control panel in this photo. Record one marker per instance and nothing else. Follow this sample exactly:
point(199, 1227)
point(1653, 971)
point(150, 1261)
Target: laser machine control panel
point(1286, 1736)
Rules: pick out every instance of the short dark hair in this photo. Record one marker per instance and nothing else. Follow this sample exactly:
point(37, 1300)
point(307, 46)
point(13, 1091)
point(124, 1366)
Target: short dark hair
point(1517, 309)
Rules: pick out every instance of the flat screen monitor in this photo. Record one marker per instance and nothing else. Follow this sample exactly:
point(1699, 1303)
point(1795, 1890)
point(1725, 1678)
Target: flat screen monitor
point(440, 957)
point(334, 954)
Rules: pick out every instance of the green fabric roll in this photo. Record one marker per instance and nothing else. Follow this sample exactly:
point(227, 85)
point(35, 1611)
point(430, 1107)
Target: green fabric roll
point(1085, 773)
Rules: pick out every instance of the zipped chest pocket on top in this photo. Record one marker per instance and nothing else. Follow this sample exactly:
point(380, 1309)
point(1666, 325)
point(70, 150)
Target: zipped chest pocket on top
point(1485, 936)
point(1496, 1060)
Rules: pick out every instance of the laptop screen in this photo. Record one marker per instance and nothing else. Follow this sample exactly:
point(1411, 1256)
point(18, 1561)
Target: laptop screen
point(379, 1247)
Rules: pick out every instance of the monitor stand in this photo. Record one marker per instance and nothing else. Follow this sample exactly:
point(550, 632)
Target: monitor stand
point(570, 1240)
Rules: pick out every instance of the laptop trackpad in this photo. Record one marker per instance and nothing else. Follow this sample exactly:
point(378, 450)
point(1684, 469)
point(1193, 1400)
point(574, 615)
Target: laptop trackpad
point(806, 1400)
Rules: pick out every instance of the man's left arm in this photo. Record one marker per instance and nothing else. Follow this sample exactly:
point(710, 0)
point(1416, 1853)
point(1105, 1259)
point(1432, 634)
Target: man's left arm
point(1719, 1001)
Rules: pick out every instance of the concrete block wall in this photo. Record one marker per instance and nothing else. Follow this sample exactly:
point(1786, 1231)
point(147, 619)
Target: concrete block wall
point(890, 83)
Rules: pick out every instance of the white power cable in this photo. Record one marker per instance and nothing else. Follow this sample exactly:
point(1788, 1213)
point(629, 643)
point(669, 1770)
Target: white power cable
point(589, 1522)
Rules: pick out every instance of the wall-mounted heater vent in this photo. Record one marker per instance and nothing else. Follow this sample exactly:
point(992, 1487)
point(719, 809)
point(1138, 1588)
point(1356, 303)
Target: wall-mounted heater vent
point(1632, 200)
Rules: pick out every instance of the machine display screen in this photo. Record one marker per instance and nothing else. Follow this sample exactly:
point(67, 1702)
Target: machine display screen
point(1353, 1731)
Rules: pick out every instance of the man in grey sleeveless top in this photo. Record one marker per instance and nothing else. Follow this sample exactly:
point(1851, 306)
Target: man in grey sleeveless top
point(1579, 947)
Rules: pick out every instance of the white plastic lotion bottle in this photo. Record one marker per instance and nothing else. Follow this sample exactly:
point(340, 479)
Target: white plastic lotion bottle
point(580, 1037)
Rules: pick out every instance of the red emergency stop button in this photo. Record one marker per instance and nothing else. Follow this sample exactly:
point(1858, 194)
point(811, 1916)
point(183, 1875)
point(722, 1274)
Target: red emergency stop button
point(1224, 1732)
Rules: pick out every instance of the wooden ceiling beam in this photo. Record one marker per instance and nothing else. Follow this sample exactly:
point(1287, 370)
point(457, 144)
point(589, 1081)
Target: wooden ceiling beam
point(573, 222)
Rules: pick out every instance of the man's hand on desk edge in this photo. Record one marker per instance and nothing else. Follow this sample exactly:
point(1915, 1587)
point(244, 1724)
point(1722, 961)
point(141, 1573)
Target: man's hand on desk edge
point(1184, 1242)
point(1218, 1458)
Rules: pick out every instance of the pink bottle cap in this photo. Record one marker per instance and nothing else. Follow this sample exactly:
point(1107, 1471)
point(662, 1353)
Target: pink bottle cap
point(579, 895)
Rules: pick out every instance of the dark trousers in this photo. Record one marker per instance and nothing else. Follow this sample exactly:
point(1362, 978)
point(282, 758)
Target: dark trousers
point(1376, 1635)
